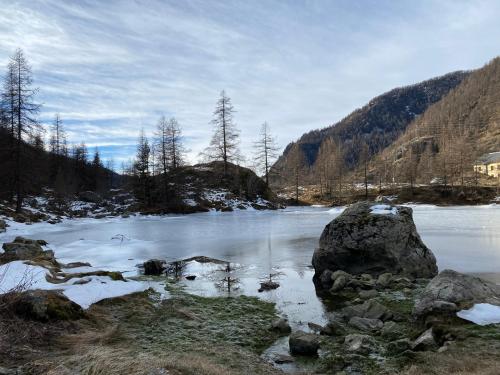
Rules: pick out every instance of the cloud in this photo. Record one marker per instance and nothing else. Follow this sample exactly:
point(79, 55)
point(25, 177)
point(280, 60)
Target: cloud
point(111, 68)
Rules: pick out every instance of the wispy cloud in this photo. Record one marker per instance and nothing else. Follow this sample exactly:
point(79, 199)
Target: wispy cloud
point(113, 67)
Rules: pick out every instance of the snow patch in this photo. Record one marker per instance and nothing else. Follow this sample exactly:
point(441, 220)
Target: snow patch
point(96, 289)
point(383, 209)
point(482, 314)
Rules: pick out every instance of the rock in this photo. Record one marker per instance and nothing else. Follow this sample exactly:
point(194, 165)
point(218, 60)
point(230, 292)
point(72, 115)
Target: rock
point(6, 371)
point(45, 305)
point(283, 358)
point(154, 267)
point(76, 264)
point(359, 241)
point(370, 309)
point(398, 346)
point(339, 284)
point(3, 226)
point(391, 330)
point(303, 343)
point(326, 279)
point(281, 325)
point(191, 277)
point(338, 273)
point(368, 294)
point(384, 279)
point(333, 328)
point(316, 328)
point(451, 291)
point(26, 249)
point(425, 341)
point(360, 344)
point(366, 324)
point(268, 285)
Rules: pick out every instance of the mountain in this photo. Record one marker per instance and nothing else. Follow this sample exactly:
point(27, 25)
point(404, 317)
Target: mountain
point(362, 134)
point(451, 134)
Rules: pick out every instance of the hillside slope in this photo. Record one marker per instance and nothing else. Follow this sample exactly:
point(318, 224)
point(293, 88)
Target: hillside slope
point(371, 128)
point(443, 143)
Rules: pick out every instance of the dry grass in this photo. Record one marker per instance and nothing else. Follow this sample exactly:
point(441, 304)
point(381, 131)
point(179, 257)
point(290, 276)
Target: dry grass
point(459, 363)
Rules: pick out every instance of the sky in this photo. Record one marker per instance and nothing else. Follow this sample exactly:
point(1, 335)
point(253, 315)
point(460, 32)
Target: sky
point(110, 68)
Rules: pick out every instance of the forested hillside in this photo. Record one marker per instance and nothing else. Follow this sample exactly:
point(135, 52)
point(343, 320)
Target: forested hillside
point(443, 143)
point(341, 147)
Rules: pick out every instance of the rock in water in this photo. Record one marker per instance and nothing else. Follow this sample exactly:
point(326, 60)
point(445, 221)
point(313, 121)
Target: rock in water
point(374, 239)
point(154, 267)
point(303, 343)
point(3, 226)
point(451, 290)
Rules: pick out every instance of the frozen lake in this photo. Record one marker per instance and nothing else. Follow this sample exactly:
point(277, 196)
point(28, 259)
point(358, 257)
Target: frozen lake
point(466, 239)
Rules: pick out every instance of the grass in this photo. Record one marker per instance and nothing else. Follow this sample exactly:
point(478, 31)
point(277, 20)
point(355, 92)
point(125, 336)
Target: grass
point(184, 334)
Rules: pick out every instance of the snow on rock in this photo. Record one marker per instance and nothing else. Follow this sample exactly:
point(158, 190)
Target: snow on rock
point(383, 209)
point(94, 289)
point(481, 314)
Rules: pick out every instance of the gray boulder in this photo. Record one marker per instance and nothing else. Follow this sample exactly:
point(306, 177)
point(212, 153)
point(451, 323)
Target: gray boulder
point(3, 226)
point(450, 291)
point(368, 239)
point(303, 343)
point(398, 346)
point(26, 249)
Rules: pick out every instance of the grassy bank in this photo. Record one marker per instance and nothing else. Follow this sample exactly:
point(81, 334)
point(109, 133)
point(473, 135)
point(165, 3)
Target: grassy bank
point(137, 334)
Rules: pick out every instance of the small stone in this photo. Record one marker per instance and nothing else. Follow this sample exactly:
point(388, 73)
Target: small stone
point(315, 327)
point(283, 358)
point(425, 341)
point(366, 324)
point(384, 279)
point(333, 328)
point(398, 346)
point(339, 284)
point(360, 344)
point(281, 325)
point(391, 330)
point(368, 294)
point(303, 343)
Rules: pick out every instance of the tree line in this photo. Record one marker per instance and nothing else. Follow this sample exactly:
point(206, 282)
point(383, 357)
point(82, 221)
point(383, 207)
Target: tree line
point(27, 164)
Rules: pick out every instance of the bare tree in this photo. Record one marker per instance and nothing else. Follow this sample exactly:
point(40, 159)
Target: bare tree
point(18, 85)
point(225, 140)
point(58, 137)
point(266, 151)
point(141, 168)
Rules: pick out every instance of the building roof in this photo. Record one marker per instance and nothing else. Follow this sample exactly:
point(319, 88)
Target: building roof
point(492, 157)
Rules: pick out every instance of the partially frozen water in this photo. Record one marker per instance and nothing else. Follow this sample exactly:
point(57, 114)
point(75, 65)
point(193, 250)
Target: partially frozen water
point(259, 243)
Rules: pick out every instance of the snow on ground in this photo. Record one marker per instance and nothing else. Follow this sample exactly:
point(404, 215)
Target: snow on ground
point(481, 314)
point(96, 289)
point(383, 209)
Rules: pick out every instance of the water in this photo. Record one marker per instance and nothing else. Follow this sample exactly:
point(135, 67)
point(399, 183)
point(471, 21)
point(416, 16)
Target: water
point(259, 243)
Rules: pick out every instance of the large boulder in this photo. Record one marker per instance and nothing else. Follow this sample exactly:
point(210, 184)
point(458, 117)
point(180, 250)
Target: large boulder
point(451, 291)
point(154, 267)
point(45, 305)
point(374, 239)
point(26, 249)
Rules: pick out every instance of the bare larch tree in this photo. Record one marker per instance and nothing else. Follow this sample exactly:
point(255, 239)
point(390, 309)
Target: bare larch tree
point(18, 85)
point(225, 140)
point(266, 151)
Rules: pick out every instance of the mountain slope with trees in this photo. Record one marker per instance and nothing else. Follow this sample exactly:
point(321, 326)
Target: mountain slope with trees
point(444, 142)
point(329, 153)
